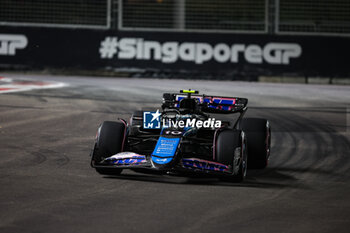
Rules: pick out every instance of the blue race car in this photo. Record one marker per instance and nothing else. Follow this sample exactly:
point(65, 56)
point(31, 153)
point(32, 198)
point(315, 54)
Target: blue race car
point(183, 138)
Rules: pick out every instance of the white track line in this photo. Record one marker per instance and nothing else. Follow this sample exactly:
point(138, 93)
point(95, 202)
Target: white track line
point(8, 85)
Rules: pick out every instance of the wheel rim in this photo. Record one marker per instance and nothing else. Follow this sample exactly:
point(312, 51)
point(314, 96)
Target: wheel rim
point(268, 141)
point(244, 158)
point(237, 160)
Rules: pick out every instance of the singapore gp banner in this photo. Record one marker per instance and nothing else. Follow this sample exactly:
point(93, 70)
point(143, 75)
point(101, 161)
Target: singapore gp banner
point(170, 51)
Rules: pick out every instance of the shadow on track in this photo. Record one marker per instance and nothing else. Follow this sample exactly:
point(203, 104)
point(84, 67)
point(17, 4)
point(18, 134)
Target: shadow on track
point(267, 178)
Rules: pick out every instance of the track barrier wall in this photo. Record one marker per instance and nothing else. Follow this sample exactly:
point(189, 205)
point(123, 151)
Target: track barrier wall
point(226, 54)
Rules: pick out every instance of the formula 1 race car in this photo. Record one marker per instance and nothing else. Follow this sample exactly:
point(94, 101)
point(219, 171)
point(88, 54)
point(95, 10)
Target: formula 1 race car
point(183, 138)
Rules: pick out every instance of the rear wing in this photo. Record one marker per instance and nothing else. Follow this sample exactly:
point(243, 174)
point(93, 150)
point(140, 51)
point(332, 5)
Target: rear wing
point(215, 104)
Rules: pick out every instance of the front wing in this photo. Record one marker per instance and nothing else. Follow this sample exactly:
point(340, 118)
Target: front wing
point(128, 160)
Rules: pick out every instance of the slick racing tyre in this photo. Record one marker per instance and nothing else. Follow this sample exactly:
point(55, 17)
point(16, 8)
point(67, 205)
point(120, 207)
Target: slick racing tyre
point(109, 142)
point(258, 134)
point(231, 149)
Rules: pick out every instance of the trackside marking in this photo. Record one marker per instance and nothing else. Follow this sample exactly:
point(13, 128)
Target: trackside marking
point(6, 89)
point(8, 85)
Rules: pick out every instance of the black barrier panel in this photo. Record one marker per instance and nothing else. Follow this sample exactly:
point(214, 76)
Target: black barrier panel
point(189, 52)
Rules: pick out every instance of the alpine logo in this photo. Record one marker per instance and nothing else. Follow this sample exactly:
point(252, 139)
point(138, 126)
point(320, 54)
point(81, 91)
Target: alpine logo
point(199, 53)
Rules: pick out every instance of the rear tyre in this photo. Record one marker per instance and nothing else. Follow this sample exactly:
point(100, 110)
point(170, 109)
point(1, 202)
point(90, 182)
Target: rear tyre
point(109, 142)
point(231, 149)
point(258, 134)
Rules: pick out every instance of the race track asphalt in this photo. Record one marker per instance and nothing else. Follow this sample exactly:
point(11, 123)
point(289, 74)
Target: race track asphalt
point(48, 186)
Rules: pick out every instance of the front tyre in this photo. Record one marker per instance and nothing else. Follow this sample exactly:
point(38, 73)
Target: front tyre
point(109, 141)
point(231, 148)
point(258, 133)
